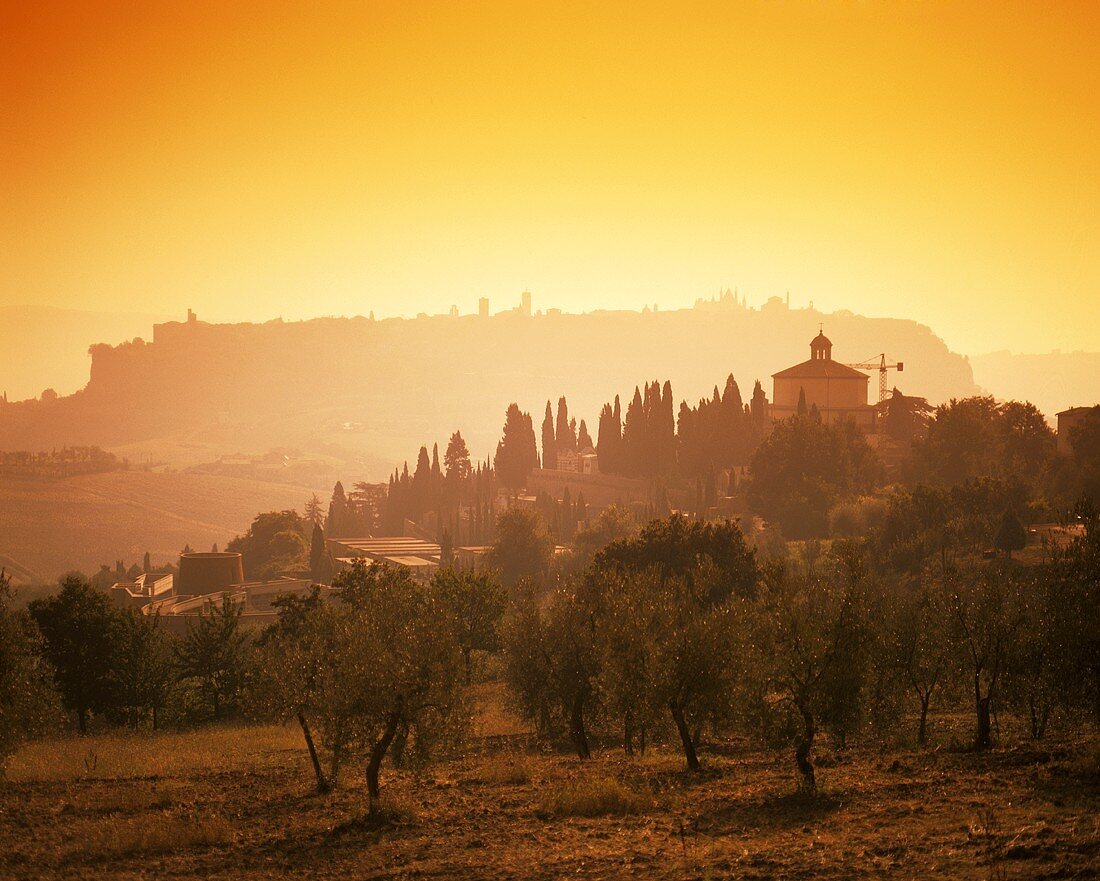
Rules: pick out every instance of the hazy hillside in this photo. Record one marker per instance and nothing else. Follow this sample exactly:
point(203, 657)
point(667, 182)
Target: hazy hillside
point(49, 527)
point(1053, 382)
point(48, 348)
point(376, 390)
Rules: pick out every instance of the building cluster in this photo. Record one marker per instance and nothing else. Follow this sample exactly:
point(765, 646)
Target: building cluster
point(205, 580)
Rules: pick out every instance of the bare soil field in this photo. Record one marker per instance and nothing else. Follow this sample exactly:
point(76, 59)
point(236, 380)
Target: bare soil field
point(48, 527)
point(239, 803)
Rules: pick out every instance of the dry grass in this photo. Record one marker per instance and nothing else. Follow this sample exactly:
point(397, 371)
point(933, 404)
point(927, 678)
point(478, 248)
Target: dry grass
point(240, 804)
point(127, 797)
point(492, 718)
point(152, 834)
point(129, 756)
point(507, 769)
point(593, 797)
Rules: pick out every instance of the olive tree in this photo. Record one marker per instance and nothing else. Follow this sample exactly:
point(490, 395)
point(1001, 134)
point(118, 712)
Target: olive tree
point(986, 612)
point(404, 663)
point(667, 647)
point(551, 661)
point(299, 675)
point(475, 603)
point(809, 641)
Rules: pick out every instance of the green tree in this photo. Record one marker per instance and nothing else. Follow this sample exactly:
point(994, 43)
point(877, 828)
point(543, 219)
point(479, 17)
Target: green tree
point(29, 702)
point(676, 546)
point(406, 675)
point(613, 523)
point(516, 454)
point(986, 609)
point(336, 523)
point(301, 673)
point(809, 641)
point(1011, 536)
point(317, 553)
point(665, 647)
point(214, 654)
point(523, 547)
point(456, 459)
point(474, 602)
point(803, 468)
point(549, 441)
point(976, 437)
point(79, 626)
point(917, 641)
point(314, 513)
point(144, 670)
point(551, 661)
point(276, 542)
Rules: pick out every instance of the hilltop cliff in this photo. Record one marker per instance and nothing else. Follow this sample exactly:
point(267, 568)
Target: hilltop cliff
point(378, 389)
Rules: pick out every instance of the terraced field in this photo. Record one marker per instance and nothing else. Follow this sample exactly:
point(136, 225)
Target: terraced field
point(49, 527)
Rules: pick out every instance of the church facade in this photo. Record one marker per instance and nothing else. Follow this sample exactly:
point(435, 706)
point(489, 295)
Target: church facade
point(838, 392)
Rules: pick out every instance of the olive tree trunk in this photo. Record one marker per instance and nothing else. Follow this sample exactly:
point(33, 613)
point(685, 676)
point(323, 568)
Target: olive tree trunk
point(690, 754)
point(323, 784)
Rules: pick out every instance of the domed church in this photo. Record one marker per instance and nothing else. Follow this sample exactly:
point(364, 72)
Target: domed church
point(838, 391)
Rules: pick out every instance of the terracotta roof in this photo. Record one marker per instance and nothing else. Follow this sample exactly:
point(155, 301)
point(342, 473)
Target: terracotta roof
point(820, 368)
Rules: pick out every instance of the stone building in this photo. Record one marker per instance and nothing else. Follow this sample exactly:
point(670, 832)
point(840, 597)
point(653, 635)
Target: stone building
point(838, 392)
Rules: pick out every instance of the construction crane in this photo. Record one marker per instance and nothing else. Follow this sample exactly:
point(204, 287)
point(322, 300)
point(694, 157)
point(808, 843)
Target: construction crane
point(881, 366)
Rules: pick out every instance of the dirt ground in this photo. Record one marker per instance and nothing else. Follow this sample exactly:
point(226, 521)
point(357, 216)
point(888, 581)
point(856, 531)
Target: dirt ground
point(238, 803)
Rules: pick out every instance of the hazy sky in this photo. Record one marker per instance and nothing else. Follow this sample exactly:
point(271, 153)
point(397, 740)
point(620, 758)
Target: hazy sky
point(934, 160)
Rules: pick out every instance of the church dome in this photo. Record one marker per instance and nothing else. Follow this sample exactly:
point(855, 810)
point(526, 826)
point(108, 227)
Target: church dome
point(821, 348)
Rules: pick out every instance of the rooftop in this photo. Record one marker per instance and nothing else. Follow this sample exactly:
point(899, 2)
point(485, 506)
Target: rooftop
point(820, 368)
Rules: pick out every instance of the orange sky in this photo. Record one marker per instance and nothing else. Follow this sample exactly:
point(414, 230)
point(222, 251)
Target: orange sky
point(934, 160)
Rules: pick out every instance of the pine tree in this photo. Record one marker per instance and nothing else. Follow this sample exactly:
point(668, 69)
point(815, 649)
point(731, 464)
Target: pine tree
point(802, 411)
point(314, 512)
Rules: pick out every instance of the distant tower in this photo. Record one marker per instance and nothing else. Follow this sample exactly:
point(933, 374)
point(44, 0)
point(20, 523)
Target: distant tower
point(191, 317)
point(483, 307)
point(788, 299)
point(525, 303)
point(454, 312)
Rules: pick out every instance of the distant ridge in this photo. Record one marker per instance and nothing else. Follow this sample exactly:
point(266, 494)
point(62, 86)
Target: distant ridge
point(375, 390)
point(47, 347)
point(1052, 381)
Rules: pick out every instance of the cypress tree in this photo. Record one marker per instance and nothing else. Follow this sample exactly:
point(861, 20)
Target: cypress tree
point(316, 552)
point(584, 440)
point(549, 444)
point(634, 437)
point(337, 511)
